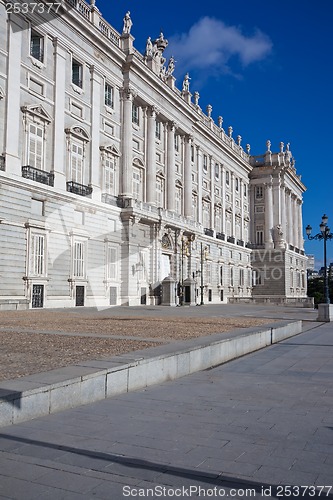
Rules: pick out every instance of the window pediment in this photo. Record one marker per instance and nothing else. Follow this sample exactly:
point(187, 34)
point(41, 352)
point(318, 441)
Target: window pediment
point(110, 149)
point(138, 162)
point(36, 111)
point(78, 132)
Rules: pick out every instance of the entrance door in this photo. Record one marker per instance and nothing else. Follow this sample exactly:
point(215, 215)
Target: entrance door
point(79, 295)
point(37, 295)
point(143, 296)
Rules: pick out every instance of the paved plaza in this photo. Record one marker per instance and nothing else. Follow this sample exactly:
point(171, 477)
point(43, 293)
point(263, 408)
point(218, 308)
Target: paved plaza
point(260, 426)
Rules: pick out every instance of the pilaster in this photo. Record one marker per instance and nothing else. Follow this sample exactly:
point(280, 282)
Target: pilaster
point(187, 177)
point(199, 166)
point(212, 193)
point(171, 174)
point(95, 171)
point(59, 158)
point(268, 215)
point(127, 96)
point(151, 156)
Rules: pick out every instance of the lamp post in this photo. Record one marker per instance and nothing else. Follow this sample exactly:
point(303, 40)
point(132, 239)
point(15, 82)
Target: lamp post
point(325, 234)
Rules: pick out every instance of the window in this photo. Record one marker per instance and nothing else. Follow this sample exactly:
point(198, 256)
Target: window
point(176, 142)
point(208, 272)
point(217, 171)
point(227, 178)
point(76, 160)
point(111, 262)
point(221, 275)
point(206, 214)
point(37, 207)
point(245, 190)
point(241, 277)
point(236, 184)
point(205, 163)
point(160, 192)
point(77, 73)
point(260, 235)
point(37, 255)
point(108, 95)
point(259, 192)
point(158, 130)
point(194, 205)
point(179, 197)
point(110, 175)
point(135, 114)
point(35, 146)
point(78, 259)
point(37, 46)
point(137, 184)
point(192, 153)
point(231, 276)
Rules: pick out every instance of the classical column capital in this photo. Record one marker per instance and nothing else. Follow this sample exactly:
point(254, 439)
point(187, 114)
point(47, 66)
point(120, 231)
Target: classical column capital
point(127, 93)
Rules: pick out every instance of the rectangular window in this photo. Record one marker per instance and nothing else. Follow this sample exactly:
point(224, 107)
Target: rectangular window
point(231, 277)
point(176, 142)
point(37, 255)
point(108, 95)
point(227, 178)
point(37, 46)
point(236, 184)
point(78, 259)
point(178, 204)
point(35, 146)
point(77, 73)
point(158, 130)
point(221, 275)
point(109, 176)
point(241, 277)
point(192, 153)
point(77, 163)
point(160, 192)
point(208, 272)
point(135, 114)
point(137, 184)
point(111, 262)
point(259, 192)
point(205, 163)
point(245, 190)
point(217, 171)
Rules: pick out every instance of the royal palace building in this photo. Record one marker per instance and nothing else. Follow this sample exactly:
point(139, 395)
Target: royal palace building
point(116, 188)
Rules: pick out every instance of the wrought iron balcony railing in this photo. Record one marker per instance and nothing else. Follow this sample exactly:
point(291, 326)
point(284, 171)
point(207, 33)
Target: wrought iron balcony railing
point(37, 175)
point(220, 236)
point(2, 163)
point(76, 188)
point(209, 232)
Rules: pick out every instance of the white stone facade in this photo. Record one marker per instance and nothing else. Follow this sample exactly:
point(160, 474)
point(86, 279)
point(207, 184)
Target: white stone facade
point(112, 179)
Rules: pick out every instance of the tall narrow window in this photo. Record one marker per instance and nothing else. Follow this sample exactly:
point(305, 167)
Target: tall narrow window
point(179, 199)
point(259, 192)
point(78, 259)
point(231, 276)
point(35, 146)
point(135, 114)
point(205, 163)
point(37, 46)
point(37, 255)
point(108, 95)
point(77, 163)
point(237, 184)
point(109, 175)
point(111, 262)
point(160, 192)
point(227, 178)
point(158, 130)
point(176, 142)
point(260, 235)
point(137, 184)
point(217, 171)
point(77, 73)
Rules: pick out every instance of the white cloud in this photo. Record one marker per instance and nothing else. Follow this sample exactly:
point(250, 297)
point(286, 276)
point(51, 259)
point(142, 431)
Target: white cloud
point(210, 44)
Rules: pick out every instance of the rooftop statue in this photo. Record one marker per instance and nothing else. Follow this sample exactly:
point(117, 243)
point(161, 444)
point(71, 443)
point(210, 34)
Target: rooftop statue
point(149, 48)
point(127, 23)
point(186, 83)
point(171, 66)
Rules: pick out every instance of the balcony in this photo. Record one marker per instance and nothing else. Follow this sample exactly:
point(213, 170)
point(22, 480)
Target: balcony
point(112, 200)
point(37, 175)
point(240, 243)
point(209, 232)
point(231, 239)
point(220, 236)
point(2, 163)
point(80, 189)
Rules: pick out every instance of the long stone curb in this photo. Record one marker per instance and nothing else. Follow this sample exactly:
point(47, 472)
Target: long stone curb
point(49, 392)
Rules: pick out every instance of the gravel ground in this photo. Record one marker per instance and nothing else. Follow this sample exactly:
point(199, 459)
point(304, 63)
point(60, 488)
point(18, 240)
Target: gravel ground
point(35, 341)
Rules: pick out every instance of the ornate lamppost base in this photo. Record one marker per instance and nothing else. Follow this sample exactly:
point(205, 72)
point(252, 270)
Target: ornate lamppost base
point(325, 312)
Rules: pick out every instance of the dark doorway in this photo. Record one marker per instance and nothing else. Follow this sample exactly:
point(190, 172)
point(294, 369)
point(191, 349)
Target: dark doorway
point(37, 295)
point(143, 296)
point(79, 295)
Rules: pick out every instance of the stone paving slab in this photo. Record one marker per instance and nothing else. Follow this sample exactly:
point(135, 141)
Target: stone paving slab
point(233, 429)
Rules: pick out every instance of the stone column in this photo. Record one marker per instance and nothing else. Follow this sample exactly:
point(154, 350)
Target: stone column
point(283, 212)
point(300, 225)
point(233, 205)
point(13, 118)
point(95, 171)
point(59, 160)
point(241, 194)
point(223, 223)
point(212, 193)
point(199, 166)
point(187, 178)
point(268, 215)
point(126, 144)
point(289, 219)
point(171, 172)
point(151, 156)
point(295, 221)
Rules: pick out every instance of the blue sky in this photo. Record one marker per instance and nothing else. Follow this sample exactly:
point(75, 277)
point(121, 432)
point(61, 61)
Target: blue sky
point(265, 66)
